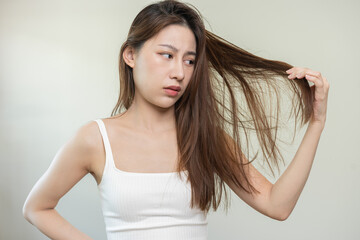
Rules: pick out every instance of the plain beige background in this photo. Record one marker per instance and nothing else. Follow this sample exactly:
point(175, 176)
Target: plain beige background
point(58, 70)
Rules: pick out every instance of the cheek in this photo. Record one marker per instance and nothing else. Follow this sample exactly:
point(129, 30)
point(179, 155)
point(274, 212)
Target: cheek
point(149, 70)
point(188, 75)
point(156, 67)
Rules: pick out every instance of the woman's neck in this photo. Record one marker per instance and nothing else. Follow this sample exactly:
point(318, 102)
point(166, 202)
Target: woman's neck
point(150, 118)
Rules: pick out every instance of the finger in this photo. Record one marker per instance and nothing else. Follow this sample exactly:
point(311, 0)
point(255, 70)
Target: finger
point(319, 82)
point(298, 75)
point(296, 72)
point(290, 70)
point(313, 73)
point(326, 83)
point(293, 73)
point(319, 91)
point(301, 72)
point(314, 79)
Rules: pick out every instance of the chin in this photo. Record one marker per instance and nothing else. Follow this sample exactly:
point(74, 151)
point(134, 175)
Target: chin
point(166, 104)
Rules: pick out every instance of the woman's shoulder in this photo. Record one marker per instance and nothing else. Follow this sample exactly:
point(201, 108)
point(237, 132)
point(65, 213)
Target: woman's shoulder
point(88, 137)
point(90, 130)
point(88, 143)
point(89, 133)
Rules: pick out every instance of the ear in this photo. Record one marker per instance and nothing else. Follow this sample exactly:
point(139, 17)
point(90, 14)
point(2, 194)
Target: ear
point(129, 56)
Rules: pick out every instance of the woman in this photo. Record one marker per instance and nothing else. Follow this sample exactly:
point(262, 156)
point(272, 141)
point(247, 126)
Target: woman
point(162, 163)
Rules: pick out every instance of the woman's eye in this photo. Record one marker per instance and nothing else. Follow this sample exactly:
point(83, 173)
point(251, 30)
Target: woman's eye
point(166, 54)
point(169, 56)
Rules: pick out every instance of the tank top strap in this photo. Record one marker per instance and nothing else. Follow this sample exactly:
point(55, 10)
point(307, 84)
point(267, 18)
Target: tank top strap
point(108, 153)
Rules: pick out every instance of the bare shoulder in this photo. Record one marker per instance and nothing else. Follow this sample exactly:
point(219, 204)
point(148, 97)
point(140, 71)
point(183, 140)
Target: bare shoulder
point(89, 135)
point(89, 141)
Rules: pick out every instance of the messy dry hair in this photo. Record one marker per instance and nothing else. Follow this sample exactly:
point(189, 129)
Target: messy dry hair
point(223, 104)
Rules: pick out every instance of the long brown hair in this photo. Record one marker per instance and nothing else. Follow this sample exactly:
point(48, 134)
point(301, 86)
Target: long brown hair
point(224, 102)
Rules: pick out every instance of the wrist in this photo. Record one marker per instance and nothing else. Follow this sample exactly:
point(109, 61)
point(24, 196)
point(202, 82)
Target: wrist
point(317, 124)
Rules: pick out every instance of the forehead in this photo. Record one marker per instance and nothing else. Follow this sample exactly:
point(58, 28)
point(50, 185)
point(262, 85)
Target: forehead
point(179, 36)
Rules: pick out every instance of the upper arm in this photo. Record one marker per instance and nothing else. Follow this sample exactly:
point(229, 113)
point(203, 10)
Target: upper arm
point(70, 164)
point(259, 201)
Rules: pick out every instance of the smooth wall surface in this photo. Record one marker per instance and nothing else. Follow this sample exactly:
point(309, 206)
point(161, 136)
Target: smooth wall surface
point(58, 70)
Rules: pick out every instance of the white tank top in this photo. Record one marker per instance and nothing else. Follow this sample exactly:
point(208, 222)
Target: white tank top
point(147, 205)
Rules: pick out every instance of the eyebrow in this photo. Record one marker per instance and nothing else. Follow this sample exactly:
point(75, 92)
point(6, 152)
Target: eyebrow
point(176, 50)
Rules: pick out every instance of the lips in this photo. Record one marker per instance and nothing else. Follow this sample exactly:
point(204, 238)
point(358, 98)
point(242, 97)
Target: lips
point(175, 88)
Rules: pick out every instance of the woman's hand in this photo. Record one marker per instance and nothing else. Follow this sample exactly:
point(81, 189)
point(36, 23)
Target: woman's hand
point(319, 91)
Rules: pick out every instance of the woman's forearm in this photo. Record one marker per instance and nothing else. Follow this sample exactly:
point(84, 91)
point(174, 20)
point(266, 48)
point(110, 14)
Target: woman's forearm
point(287, 189)
point(53, 225)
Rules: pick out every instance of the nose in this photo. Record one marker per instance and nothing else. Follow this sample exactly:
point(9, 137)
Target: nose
point(177, 70)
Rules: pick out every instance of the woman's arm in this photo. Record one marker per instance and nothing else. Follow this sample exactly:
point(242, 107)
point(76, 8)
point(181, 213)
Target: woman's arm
point(287, 189)
point(278, 200)
point(70, 165)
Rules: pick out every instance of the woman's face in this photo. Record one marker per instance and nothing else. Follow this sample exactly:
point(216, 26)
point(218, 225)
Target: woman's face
point(165, 60)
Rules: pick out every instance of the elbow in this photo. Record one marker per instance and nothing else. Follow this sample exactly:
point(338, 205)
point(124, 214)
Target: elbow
point(280, 212)
point(33, 213)
point(29, 212)
point(281, 216)
point(26, 211)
